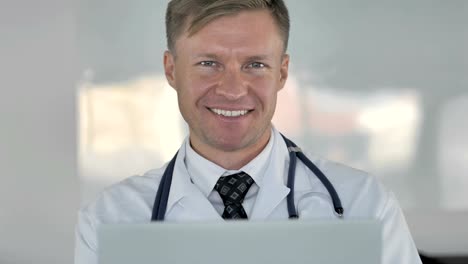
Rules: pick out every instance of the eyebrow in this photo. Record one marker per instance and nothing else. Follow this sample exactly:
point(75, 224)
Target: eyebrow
point(258, 57)
point(205, 55)
point(214, 56)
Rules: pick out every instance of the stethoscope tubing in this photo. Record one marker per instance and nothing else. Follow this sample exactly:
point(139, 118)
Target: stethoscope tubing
point(162, 195)
point(295, 151)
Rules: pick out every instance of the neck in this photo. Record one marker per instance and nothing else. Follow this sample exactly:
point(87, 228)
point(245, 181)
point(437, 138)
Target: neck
point(232, 159)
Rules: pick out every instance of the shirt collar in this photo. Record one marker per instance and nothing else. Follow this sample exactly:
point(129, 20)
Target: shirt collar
point(204, 173)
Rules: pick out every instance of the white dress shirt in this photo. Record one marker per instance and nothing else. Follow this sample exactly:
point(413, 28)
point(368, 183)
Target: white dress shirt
point(204, 174)
point(192, 198)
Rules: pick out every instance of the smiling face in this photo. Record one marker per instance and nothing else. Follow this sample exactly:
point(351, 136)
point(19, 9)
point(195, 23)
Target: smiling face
point(227, 76)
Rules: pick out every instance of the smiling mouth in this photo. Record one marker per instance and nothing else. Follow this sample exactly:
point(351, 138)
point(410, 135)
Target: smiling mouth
point(229, 113)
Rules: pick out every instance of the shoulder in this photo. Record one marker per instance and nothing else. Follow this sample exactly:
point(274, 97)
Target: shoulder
point(364, 197)
point(129, 200)
point(361, 193)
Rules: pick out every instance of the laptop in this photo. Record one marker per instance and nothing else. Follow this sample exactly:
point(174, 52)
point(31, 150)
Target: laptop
point(235, 242)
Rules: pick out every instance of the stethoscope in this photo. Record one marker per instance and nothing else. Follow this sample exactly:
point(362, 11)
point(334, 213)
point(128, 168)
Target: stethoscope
point(162, 195)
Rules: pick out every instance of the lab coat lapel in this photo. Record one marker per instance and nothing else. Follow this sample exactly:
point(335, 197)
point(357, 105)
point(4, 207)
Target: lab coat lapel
point(273, 189)
point(186, 202)
point(195, 206)
point(269, 197)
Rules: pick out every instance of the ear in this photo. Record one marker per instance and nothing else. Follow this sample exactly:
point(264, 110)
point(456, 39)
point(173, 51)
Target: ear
point(284, 70)
point(169, 68)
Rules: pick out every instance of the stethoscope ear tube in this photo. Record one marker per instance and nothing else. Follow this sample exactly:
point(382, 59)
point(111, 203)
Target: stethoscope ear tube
point(295, 151)
point(291, 171)
point(334, 195)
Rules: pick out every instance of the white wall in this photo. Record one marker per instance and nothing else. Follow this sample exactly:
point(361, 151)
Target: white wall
point(38, 179)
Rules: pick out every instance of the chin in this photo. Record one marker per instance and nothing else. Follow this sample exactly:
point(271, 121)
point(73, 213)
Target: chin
point(228, 145)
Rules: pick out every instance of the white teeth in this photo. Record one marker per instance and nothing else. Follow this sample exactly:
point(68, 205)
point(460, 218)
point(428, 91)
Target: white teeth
point(229, 113)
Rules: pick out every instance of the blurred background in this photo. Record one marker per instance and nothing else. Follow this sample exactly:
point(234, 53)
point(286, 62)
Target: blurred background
point(380, 86)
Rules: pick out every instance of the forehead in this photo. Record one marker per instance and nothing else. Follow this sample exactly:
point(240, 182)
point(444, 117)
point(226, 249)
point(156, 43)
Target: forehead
point(243, 30)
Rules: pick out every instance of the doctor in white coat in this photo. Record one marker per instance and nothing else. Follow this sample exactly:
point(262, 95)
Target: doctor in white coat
point(227, 61)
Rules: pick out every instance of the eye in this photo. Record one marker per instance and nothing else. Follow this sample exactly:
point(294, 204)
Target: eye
point(207, 63)
point(256, 65)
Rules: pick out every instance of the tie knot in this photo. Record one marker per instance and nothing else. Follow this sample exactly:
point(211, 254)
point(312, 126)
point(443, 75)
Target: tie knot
point(233, 188)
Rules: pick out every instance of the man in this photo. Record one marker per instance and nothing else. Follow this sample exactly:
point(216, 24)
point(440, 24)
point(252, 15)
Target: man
point(227, 62)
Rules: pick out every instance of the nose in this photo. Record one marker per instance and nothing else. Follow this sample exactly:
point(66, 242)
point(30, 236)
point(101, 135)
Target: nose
point(232, 84)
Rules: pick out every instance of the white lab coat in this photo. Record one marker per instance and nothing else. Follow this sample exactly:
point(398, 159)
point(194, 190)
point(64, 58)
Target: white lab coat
point(362, 196)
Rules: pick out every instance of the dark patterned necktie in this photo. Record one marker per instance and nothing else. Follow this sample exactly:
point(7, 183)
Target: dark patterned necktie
point(232, 190)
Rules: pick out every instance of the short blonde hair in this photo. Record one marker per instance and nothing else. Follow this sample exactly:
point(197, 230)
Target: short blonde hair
point(198, 13)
